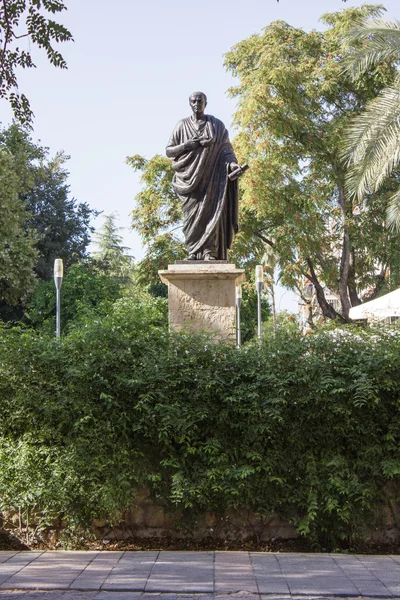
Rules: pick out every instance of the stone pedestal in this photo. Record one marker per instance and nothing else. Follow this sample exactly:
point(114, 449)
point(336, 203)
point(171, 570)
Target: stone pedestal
point(202, 296)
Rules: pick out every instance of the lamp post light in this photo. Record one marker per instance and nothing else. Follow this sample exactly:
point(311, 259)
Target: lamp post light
point(238, 305)
point(58, 277)
point(259, 284)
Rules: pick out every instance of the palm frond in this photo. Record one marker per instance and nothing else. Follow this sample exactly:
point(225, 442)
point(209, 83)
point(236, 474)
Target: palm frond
point(379, 114)
point(393, 211)
point(371, 146)
point(380, 41)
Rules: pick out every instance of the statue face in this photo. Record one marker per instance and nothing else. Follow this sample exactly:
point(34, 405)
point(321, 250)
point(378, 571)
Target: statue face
point(198, 103)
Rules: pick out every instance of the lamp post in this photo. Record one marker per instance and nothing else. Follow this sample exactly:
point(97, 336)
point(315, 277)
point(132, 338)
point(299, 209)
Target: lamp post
point(259, 283)
point(238, 304)
point(58, 277)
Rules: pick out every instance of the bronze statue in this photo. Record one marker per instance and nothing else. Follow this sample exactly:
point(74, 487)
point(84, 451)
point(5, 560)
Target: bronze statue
point(205, 180)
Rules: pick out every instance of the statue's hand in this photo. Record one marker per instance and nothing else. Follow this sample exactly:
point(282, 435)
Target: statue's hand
point(204, 141)
point(192, 144)
point(233, 166)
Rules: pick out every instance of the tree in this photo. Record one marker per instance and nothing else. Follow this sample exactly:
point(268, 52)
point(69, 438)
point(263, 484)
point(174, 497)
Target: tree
point(27, 19)
point(293, 104)
point(111, 256)
point(61, 224)
point(17, 241)
point(373, 136)
point(38, 220)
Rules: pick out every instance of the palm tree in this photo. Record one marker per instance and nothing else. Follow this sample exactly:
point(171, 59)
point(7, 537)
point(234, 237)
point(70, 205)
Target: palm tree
point(372, 140)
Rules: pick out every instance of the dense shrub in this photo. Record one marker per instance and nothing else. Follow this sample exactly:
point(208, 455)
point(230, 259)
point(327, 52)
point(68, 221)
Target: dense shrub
point(304, 427)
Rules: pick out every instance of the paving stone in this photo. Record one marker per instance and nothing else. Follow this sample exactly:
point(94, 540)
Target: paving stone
point(58, 595)
point(282, 597)
point(173, 584)
point(190, 576)
point(238, 596)
point(4, 555)
point(182, 572)
point(86, 584)
point(118, 596)
point(124, 585)
point(374, 590)
point(234, 573)
point(38, 585)
point(266, 586)
point(394, 589)
point(22, 558)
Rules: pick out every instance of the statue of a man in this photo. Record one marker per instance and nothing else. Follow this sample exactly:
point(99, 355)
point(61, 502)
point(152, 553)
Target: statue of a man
point(202, 160)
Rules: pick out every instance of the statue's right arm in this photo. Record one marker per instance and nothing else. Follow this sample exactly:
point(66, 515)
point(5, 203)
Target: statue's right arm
point(174, 151)
point(176, 148)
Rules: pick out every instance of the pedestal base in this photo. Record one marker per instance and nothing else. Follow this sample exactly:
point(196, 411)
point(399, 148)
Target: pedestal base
point(202, 297)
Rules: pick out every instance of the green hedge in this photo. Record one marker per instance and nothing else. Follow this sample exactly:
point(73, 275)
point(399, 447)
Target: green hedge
point(304, 427)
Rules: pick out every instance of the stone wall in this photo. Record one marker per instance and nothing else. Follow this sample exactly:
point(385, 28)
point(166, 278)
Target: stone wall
point(148, 519)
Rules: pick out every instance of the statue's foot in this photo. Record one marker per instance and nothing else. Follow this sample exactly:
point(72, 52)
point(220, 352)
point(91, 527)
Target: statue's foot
point(191, 257)
point(208, 256)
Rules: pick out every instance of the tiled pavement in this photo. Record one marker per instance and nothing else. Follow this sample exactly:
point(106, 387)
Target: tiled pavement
point(195, 576)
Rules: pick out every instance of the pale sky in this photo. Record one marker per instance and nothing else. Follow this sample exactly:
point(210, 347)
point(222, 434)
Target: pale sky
point(130, 71)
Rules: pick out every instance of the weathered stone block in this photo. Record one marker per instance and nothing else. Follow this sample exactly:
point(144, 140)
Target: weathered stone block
point(202, 297)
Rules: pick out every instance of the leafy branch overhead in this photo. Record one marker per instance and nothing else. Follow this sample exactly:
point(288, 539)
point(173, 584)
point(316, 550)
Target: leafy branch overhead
point(29, 21)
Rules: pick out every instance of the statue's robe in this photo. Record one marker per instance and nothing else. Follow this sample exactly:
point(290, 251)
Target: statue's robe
point(209, 198)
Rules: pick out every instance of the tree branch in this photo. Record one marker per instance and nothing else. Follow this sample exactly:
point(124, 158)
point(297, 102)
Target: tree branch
point(264, 239)
point(354, 297)
point(7, 36)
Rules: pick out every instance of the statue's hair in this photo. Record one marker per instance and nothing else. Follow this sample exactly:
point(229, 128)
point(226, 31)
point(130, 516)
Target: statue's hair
point(198, 94)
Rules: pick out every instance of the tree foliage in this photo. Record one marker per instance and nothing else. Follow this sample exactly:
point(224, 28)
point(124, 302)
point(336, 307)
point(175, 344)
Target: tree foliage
point(62, 225)
point(373, 136)
point(111, 256)
point(17, 241)
point(31, 21)
point(157, 217)
point(41, 215)
point(294, 102)
point(86, 294)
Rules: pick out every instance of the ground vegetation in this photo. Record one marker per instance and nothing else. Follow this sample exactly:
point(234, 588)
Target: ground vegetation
point(303, 427)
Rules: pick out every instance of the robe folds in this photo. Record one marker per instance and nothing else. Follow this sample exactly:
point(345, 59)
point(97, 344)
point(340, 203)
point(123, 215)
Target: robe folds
point(209, 199)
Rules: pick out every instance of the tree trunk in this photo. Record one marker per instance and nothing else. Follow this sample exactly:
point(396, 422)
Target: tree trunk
point(326, 308)
point(344, 260)
point(354, 298)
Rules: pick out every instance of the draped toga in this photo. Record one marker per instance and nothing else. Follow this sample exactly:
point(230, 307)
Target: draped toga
point(209, 198)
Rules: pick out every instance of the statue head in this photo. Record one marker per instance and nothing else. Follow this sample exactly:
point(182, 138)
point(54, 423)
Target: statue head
point(198, 102)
